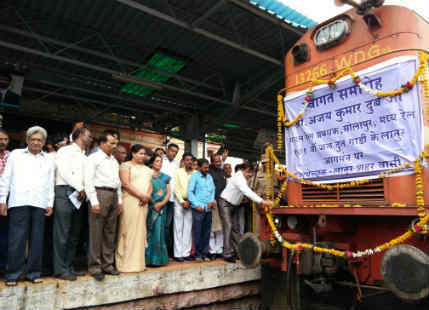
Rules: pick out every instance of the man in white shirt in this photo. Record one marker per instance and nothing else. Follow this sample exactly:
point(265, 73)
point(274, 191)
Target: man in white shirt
point(120, 153)
point(169, 167)
point(28, 179)
point(230, 200)
point(68, 219)
point(76, 126)
point(103, 188)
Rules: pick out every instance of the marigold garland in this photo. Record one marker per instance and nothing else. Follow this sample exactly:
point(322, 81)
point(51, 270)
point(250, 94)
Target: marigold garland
point(281, 115)
point(348, 254)
point(269, 150)
point(268, 191)
point(346, 205)
point(424, 81)
point(421, 212)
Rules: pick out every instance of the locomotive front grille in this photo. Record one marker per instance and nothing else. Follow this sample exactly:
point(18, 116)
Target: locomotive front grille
point(371, 193)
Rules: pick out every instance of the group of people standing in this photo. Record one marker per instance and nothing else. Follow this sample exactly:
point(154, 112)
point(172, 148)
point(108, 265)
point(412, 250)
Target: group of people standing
point(140, 211)
point(206, 204)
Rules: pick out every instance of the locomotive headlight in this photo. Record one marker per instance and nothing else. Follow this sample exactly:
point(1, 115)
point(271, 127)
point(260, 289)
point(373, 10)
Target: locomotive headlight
point(292, 221)
point(331, 34)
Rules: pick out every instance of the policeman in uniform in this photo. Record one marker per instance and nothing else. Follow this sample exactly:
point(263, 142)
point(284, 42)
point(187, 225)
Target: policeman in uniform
point(259, 187)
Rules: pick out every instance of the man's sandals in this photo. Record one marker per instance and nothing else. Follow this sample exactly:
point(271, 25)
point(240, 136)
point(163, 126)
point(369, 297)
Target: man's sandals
point(12, 283)
point(36, 280)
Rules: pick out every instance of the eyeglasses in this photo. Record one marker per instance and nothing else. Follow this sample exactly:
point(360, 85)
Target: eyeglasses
point(36, 140)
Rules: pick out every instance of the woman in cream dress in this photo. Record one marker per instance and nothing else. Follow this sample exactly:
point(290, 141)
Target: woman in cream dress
point(136, 181)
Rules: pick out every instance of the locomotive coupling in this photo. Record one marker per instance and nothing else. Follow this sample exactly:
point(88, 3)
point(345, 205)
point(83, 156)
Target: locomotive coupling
point(405, 270)
point(251, 249)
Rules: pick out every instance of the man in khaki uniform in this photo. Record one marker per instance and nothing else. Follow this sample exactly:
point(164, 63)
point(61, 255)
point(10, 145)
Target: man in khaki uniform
point(259, 187)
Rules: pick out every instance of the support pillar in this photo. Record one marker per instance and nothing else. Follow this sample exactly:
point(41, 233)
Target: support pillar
point(204, 146)
point(191, 146)
point(192, 134)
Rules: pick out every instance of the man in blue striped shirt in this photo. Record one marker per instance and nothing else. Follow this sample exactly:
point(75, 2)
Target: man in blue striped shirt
point(201, 194)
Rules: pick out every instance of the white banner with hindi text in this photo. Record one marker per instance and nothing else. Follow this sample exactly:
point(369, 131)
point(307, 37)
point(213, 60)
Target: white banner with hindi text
point(347, 133)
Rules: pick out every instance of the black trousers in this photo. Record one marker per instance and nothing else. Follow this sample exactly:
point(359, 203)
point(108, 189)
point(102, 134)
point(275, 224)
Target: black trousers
point(201, 226)
point(66, 233)
point(47, 267)
point(169, 209)
point(230, 217)
point(20, 220)
point(4, 226)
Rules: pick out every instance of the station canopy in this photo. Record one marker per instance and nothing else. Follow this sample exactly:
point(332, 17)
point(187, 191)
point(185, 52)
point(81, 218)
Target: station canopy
point(182, 68)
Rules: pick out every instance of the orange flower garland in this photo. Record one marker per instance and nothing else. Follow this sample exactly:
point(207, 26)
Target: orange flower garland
point(269, 150)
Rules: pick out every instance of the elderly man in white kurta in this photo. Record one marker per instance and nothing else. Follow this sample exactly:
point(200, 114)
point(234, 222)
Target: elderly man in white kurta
point(28, 180)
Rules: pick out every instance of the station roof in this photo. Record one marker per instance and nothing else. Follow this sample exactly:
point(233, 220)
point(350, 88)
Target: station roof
point(152, 64)
point(282, 11)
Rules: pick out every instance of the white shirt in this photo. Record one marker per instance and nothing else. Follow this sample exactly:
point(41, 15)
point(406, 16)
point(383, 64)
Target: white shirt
point(51, 155)
point(236, 187)
point(101, 171)
point(28, 179)
point(70, 163)
point(169, 168)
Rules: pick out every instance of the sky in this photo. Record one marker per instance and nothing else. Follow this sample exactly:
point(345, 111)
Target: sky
point(321, 10)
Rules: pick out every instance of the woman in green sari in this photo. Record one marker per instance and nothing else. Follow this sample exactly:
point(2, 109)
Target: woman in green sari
point(156, 252)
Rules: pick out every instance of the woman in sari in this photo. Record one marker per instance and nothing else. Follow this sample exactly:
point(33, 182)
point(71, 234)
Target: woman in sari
point(136, 181)
point(156, 252)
